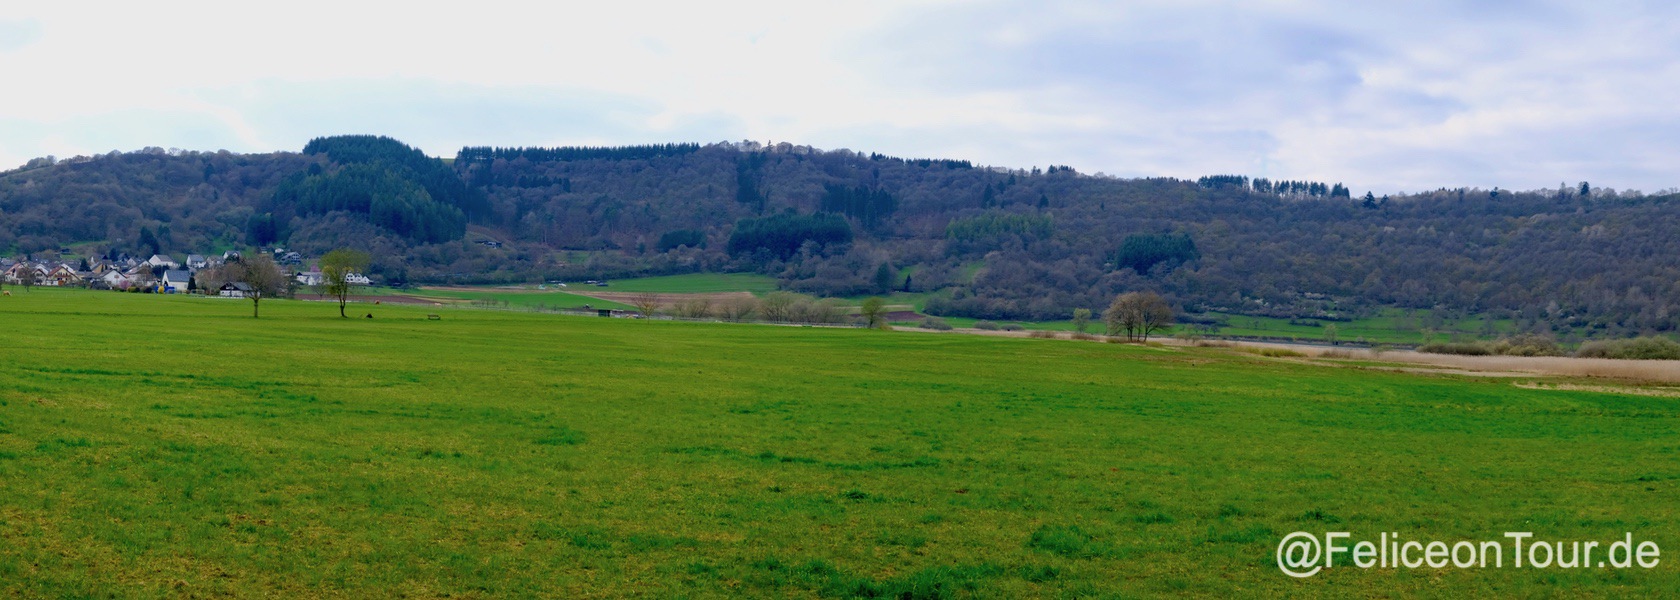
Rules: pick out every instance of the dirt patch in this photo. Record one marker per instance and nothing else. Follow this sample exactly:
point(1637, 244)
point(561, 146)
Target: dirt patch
point(1464, 372)
point(1607, 389)
point(903, 315)
point(1659, 371)
point(1666, 371)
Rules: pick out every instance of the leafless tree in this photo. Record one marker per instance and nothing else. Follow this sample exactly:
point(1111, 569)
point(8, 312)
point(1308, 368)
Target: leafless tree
point(740, 308)
point(778, 306)
point(695, 308)
point(1138, 314)
point(264, 278)
point(645, 303)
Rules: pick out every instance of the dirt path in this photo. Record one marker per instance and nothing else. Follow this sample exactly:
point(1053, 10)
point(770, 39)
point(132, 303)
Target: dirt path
point(1664, 371)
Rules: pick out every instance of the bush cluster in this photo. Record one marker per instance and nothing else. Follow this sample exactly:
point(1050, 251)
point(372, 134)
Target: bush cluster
point(1650, 348)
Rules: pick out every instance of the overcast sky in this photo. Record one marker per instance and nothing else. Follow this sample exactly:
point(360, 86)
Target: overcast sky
point(1392, 96)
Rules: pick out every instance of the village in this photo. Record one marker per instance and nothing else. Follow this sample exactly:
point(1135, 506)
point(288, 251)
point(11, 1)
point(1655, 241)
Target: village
point(158, 274)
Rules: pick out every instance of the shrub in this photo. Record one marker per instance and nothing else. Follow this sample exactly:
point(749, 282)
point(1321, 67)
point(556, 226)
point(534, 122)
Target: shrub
point(934, 323)
point(1528, 345)
point(1274, 352)
point(986, 325)
point(1461, 348)
point(1050, 335)
point(1080, 335)
point(1012, 327)
point(1642, 348)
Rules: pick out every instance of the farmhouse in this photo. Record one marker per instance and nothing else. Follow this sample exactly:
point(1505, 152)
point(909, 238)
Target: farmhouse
point(196, 262)
point(176, 281)
point(14, 275)
point(310, 278)
point(234, 289)
point(159, 260)
point(62, 276)
point(116, 280)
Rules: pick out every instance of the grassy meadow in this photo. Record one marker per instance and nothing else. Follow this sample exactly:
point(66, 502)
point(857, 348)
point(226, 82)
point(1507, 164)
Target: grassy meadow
point(533, 299)
point(692, 283)
point(155, 446)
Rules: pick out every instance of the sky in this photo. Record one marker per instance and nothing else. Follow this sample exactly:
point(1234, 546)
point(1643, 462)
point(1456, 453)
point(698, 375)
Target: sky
point(1389, 97)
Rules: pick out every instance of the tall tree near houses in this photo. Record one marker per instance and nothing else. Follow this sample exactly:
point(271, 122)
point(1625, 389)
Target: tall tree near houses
point(337, 267)
point(259, 273)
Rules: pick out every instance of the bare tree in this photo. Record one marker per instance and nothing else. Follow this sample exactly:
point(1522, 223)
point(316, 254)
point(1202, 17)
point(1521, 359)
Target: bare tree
point(695, 308)
point(740, 308)
point(337, 268)
point(1138, 314)
point(260, 274)
point(210, 280)
point(826, 310)
point(26, 277)
point(778, 306)
point(1154, 314)
point(645, 303)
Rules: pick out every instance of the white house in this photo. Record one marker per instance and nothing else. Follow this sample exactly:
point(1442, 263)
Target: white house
point(176, 281)
point(116, 279)
point(159, 260)
point(63, 275)
point(196, 262)
point(234, 289)
point(316, 278)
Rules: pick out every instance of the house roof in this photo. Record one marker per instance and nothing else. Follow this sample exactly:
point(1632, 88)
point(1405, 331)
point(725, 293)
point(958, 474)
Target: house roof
point(238, 285)
point(177, 275)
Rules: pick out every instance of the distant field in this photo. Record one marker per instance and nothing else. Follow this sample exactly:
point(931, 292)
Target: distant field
point(694, 283)
point(535, 299)
point(173, 446)
point(1390, 326)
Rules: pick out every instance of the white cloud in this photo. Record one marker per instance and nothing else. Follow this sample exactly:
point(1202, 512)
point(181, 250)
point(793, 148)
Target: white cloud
point(1385, 97)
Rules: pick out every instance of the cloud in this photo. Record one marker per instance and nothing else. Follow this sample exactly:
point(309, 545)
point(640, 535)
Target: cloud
point(441, 118)
point(16, 35)
point(1384, 97)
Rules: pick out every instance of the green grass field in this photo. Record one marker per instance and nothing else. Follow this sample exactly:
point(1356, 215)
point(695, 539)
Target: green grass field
point(530, 299)
point(1390, 326)
point(694, 283)
point(156, 446)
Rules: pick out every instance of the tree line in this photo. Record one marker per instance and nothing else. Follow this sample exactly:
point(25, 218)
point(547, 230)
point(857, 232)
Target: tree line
point(985, 242)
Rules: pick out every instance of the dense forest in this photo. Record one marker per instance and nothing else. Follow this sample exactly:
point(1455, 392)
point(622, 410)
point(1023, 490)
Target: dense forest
point(986, 242)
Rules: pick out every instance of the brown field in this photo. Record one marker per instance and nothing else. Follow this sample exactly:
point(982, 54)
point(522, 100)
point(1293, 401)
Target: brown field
point(1655, 371)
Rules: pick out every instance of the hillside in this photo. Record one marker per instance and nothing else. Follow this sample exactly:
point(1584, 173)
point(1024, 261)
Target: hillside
point(984, 242)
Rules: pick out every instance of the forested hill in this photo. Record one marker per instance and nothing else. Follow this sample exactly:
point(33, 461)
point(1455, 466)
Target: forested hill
point(992, 243)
